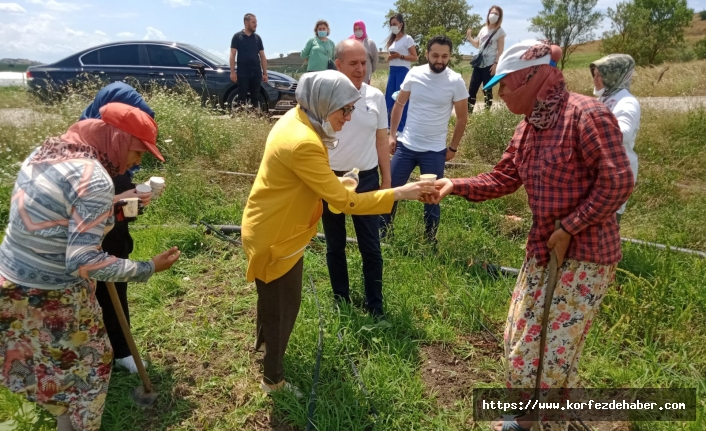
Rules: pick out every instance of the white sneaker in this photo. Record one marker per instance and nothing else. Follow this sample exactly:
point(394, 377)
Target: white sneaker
point(129, 364)
point(286, 387)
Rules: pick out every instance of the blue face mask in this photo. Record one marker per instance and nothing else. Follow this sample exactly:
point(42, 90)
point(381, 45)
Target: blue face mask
point(322, 34)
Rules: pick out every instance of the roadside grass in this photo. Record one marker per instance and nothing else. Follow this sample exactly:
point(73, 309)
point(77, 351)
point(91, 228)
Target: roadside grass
point(195, 323)
point(665, 80)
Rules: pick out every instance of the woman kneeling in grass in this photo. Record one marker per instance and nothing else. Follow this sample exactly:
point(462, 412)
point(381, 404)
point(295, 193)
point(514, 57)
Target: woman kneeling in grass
point(568, 154)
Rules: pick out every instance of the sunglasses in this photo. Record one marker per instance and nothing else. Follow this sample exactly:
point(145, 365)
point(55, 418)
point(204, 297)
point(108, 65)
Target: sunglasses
point(348, 110)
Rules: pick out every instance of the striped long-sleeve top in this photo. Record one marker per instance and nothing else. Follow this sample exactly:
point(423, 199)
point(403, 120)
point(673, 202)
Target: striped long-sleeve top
point(59, 214)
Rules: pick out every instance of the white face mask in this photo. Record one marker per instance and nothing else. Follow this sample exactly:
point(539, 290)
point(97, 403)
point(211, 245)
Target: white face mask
point(328, 128)
point(493, 18)
point(598, 93)
point(395, 29)
point(359, 34)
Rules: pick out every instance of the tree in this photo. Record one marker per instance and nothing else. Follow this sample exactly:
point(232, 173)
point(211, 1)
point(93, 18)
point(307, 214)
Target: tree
point(647, 29)
point(425, 19)
point(281, 55)
point(627, 33)
point(567, 23)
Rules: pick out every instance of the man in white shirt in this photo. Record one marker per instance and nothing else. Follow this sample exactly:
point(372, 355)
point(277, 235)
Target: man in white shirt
point(362, 144)
point(433, 91)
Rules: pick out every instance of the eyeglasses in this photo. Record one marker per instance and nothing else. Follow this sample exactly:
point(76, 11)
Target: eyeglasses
point(348, 110)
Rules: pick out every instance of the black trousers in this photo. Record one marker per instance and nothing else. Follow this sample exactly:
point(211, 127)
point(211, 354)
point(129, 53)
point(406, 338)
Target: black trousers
point(480, 76)
point(118, 243)
point(367, 231)
point(110, 318)
point(249, 89)
point(278, 305)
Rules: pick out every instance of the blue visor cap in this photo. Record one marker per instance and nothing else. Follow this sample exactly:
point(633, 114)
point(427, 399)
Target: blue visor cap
point(494, 81)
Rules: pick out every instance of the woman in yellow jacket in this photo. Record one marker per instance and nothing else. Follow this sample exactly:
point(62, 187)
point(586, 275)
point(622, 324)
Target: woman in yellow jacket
point(284, 207)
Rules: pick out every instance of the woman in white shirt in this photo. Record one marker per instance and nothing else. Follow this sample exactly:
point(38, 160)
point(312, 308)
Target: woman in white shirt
point(612, 76)
point(490, 43)
point(402, 54)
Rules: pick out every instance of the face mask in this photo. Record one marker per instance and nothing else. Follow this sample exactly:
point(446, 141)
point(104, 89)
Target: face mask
point(598, 93)
point(395, 29)
point(322, 34)
point(493, 18)
point(328, 128)
point(359, 34)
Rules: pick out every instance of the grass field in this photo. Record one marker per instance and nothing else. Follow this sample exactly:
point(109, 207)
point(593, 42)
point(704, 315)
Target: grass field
point(195, 322)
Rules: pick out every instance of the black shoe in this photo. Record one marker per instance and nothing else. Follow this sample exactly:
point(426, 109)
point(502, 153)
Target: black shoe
point(378, 314)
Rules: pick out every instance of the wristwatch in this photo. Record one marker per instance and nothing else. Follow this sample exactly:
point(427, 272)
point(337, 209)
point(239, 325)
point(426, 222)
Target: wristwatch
point(453, 150)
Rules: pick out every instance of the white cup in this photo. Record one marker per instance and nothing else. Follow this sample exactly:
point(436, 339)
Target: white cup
point(157, 184)
point(428, 178)
point(130, 210)
point(143, 188)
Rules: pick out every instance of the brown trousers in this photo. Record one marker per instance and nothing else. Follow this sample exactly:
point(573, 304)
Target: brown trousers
point(277, 308)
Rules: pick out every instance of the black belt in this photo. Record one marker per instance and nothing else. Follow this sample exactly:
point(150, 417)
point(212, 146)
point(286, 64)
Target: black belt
point(361, 174)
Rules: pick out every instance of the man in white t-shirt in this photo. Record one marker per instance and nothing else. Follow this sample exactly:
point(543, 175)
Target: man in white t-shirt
point(433, 91)
point(362, 144)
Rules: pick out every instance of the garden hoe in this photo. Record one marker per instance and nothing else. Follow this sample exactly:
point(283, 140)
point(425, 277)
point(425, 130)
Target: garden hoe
point(552, 274)
point(142, 395)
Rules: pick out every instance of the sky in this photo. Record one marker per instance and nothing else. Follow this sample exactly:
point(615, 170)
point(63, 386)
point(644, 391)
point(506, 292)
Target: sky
point(49, 30)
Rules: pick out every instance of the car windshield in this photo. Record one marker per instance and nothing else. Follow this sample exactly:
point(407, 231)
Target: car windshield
point(213, 58)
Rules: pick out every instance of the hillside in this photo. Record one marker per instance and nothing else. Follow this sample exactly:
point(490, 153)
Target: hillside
point(19, 61)
point(16, 64)
point(693, 34)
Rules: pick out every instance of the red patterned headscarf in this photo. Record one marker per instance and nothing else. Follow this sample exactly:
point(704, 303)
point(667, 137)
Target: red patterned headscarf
point(91, 139)
point(538, 92)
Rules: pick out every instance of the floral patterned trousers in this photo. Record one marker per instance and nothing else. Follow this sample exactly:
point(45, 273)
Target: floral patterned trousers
point(54, 349)
point(579, 291)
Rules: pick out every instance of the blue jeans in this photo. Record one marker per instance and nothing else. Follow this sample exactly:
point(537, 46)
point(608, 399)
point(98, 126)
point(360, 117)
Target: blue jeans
point(367, 231)
point(403, 163)
point(394, 80)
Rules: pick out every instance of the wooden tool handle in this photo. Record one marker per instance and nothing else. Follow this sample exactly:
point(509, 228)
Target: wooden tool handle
point(128, 336)
point(552, 278)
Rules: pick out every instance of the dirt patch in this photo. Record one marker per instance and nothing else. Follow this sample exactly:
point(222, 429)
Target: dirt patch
point(452, 378)
point(263, 421)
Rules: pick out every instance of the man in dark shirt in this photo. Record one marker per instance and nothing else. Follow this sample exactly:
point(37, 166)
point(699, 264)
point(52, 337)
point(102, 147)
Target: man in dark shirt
point(252, 64)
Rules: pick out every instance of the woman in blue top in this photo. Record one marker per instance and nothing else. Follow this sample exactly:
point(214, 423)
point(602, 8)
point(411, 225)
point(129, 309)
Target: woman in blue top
point(402, 54)
point(318, 51)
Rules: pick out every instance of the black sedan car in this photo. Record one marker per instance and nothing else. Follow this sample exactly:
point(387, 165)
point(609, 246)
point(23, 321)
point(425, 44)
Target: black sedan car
point(167, 64)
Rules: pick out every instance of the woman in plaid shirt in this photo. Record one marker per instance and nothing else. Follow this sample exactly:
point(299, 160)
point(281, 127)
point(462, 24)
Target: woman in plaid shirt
point(568, 154)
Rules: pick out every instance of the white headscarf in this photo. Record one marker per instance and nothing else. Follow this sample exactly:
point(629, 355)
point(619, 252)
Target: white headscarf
point(320, 94)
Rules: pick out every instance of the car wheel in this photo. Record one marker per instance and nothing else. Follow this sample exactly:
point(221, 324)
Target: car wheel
point(232, 103)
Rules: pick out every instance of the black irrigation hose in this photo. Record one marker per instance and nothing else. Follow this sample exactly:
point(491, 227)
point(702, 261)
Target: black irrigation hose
point(220, 234)
point(363, 389)
point(317, 368)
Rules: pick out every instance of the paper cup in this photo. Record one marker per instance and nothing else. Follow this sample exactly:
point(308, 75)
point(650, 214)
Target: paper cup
point(428, 178)
point(157, 184)
point(143, 188)
point(130, 210)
